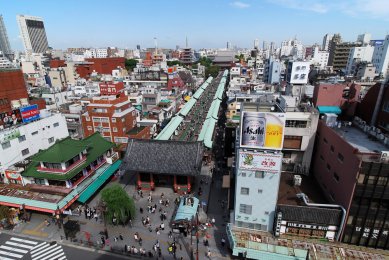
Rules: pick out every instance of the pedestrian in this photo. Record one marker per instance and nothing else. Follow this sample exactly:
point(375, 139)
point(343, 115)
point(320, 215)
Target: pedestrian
point(120, 236)
point(102, 240)
point(209, 254)
point(159, 252)
point(96, 216)
point(140, 241)
point(136, 236)
point(135, 250)
point(170, 234)
point(115, 239)
point(125, 248)
point(162, 226)
point(141, 210)
point(213, 221)
point(130, 223)
point(223, 241)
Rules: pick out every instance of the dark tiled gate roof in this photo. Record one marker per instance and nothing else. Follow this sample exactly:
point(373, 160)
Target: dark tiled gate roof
point(164, 157)
point(313, 215)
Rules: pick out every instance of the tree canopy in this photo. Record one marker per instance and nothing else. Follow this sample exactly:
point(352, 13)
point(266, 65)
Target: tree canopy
point(131, 64)
point(212, 71)
point(205, 61)
point(173, 63)
point(118, 204)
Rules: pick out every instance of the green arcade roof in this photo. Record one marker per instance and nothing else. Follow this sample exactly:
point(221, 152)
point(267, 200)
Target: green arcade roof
point(169, 129)
point(97, 146)
point(198, 93)
point(98, 182)
point(62, 151)
point(185, 212)
point(329, 109)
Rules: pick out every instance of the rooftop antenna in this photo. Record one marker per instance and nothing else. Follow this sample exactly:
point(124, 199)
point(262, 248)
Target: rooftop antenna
point(186, 41)
point(155, 43)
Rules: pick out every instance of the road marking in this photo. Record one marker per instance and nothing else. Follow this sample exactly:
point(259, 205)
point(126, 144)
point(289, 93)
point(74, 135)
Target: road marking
point(18, 245)
point(38, 247)
point(14, 249)
point(51, 256)
point(24, 240)
point(5, 258)
point(10, 254)
point(51, 250)
point(62, 258)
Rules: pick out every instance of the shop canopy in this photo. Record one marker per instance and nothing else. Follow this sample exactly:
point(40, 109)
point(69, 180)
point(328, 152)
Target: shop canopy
point(187, 209)
point(329, 109)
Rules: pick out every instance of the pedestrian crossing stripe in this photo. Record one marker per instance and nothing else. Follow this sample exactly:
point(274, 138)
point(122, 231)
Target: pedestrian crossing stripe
point(16, 248)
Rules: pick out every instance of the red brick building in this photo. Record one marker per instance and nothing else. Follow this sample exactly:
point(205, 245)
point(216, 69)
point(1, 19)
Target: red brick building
point(12, 87)
point(57, 63)
point(366, 107)
point(344, 96)
point(100, 65)
point(113, 117)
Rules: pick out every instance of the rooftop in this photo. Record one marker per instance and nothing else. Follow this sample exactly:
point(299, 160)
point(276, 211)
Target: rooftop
point(136, 130)
point(287, 192)
point(359, 139)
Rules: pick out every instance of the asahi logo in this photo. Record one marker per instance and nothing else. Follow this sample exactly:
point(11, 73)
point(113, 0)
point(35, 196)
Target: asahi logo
point(254, 131)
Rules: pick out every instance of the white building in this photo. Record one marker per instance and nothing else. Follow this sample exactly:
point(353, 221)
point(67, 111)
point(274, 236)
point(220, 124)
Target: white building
point(357, 55)
point(380, 58)
point(320, 58)
point(33, 33)
point(21, 142)
point(326, 41)
point(292, 48)
point(297, 72)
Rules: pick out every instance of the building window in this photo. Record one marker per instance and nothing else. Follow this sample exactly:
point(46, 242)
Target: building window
point(56, 124)
point(22, 138)
point(34, 133)
point(134, 122)
point(89, 128)
point(332, 148)
point(40, 181)
point(25, 152)
point(87, 118)
point(260, 191)
point(292, 142)
point(115, 129)
point(336, 177)
point(244, 191)
point(260, 175)
point(243, 174)
point(328, 167)
point(51, 140)
point(325, 140)
point(340, 157)
point(6, 145)
point(246, 209)
point(287, 155)
point(113, 120)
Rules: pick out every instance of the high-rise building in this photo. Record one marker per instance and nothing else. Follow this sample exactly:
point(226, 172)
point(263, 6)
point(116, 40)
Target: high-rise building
point(339, 52)
point(33, 33)
point(380, 58)
point(256, 44)
point(5, 47)
point(326, 41)
point(228, 45)
point(265, 45)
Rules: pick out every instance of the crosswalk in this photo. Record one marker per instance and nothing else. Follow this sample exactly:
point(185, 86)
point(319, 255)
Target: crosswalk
point(17, 248)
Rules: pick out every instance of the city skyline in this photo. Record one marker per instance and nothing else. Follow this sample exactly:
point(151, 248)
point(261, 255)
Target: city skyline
point(126, 24)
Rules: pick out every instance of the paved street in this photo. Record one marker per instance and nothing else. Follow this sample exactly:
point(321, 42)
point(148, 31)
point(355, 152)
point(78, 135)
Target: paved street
point(22, 248)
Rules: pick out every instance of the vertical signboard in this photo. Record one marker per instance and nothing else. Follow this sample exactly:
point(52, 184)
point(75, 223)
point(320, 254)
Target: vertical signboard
point(262, 130)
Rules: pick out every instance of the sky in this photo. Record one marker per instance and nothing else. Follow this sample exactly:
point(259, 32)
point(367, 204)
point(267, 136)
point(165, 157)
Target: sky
point(206, 23)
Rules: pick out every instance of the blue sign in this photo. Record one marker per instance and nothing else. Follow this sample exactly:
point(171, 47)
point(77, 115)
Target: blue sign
point(30, 113)
point(376, 43)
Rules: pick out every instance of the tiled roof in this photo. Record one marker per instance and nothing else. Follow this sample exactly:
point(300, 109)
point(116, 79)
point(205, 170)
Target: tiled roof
point(164, 157)
point(62, 151)
point(97, 145)
point(314, 215)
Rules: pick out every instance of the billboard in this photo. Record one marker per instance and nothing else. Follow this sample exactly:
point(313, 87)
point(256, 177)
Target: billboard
point(30, 113)
point(111, 88)
point(9, 134)
point(260, 162)
point(11, 118)
point(262, 130)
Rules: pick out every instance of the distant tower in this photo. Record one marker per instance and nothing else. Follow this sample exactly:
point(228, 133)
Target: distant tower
point(265, 45)
point(228, 45)
point(156, 45)
point(33, 33)
point(186, 42)
point(5, 47)
point(138, 47)
point(256, 44)
point(272, 46)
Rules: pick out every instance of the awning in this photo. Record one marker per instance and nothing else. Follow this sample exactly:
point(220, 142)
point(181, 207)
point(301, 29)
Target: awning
point(329, 109)
point(186, 212)
point(98, 182)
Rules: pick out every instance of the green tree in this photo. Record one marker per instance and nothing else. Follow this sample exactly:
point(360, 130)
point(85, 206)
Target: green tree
point(131, 64)
point(204, 61)
point(239, 57)
point(118, 204)
point(212, 71)
point(173, 63)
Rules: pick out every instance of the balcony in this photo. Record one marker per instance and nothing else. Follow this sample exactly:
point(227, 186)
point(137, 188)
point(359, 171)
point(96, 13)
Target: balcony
point(113, 158)
point(61, 171)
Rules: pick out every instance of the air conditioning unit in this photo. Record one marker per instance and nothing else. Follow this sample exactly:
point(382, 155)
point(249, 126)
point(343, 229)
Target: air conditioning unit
point(384, 156)
point(297, 180)
point(381, 136)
